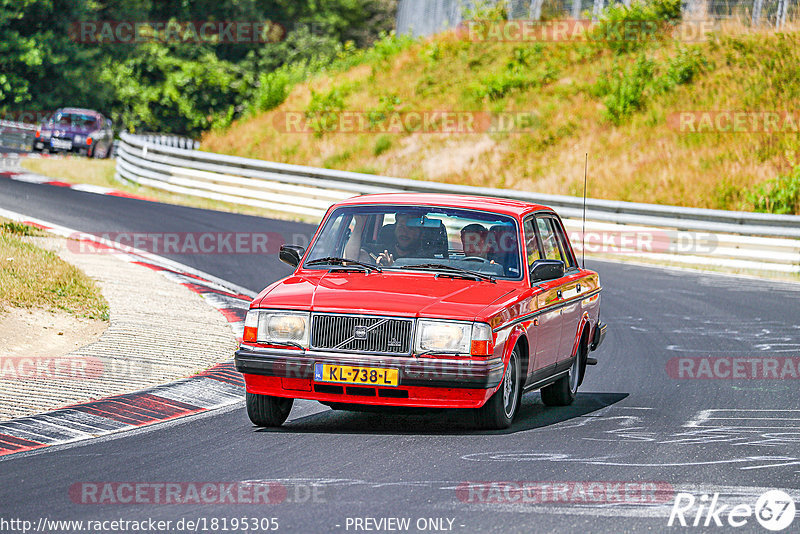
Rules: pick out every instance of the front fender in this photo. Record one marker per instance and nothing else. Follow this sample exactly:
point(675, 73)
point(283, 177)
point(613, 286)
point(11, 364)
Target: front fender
point(509, 342)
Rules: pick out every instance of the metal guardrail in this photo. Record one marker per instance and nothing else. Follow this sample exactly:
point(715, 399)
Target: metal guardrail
point(176, 141)
point(759, 238)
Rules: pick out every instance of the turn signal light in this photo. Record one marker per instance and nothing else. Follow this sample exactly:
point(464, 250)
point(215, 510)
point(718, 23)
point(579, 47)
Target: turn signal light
point(89, 141)
point(251, 327)
point(250, 334)
point(482, 348)
point(482, 340)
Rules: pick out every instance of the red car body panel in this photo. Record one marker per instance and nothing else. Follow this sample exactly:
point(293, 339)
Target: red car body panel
point(548, 319)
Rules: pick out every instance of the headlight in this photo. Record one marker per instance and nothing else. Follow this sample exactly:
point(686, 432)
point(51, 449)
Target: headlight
point(443, 336)
point(279, 327)
point(454, 337)
point(78, 139)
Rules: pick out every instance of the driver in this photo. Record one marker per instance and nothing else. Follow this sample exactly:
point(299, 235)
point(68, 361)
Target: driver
point(405, 240)
point(474, 242)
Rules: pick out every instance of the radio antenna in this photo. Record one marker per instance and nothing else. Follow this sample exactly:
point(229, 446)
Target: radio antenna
point(583, 233)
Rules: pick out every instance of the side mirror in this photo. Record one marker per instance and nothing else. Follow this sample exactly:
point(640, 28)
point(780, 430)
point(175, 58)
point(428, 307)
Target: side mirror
point(545, 270)
point(291, 254)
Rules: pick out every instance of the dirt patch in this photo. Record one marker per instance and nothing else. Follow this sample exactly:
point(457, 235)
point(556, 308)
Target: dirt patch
point(38, 333)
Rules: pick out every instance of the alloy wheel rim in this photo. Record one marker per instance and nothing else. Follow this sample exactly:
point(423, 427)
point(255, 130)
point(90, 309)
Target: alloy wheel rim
point(509, 393)
point(573, 374)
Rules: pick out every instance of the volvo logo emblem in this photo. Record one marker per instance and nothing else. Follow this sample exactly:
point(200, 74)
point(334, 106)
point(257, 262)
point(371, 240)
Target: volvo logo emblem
point(360, 332)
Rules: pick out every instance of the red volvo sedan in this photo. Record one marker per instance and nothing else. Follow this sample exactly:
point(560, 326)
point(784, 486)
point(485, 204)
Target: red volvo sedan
point(424, 300)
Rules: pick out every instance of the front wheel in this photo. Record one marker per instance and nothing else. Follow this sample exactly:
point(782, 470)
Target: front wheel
point(266, 411)
point(500, 409)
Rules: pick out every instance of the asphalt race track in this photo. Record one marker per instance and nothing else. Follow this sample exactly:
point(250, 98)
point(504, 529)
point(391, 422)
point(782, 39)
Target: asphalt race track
point(632, 422)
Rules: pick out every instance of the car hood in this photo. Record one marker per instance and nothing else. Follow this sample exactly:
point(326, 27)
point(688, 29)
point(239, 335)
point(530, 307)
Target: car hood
point(410, 295)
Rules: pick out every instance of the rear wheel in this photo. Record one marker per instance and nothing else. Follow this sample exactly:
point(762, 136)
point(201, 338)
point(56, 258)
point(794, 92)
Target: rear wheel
point(266, 411)
point(500, 409)
point(564, 390)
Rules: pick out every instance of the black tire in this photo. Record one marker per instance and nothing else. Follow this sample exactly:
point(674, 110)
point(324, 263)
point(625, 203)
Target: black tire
point(563, 391)
point(267, 411)
point(500, 410)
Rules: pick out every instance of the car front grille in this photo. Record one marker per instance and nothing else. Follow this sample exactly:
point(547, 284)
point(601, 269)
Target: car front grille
point(362, 333)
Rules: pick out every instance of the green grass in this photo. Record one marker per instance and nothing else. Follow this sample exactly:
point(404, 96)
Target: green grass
point(31, 277)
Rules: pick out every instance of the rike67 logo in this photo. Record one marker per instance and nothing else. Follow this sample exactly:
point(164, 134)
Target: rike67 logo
point(774, 510)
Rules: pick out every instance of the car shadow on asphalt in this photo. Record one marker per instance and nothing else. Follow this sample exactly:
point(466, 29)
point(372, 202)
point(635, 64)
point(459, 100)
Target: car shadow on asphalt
point(531, 416)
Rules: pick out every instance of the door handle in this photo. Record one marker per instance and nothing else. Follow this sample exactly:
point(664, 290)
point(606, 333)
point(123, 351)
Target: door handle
point(578, 288)
point(558, 293)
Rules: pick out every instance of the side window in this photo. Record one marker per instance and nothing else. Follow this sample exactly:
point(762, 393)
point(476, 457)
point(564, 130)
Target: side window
point(550, 245)
point(563, 242)
point(531, 246)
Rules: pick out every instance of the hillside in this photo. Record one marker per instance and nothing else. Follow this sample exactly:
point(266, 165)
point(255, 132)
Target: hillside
point(620, 102)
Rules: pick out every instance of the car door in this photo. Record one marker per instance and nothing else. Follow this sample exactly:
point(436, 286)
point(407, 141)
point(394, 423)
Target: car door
point(545, 328)
point(571, 287)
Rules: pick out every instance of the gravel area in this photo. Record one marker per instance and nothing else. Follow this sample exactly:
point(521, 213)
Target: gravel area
point(159, 331)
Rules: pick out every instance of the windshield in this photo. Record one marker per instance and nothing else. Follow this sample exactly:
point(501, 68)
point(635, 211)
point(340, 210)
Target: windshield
point(75, 119)
point(403, 237)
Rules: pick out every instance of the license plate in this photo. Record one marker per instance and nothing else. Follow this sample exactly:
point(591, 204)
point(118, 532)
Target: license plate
point(61, 143)
point(347, 374)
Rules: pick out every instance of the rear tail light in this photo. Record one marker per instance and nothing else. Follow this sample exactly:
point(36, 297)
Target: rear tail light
point(38, 134)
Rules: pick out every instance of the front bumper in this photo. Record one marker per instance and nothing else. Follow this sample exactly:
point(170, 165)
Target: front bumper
point(424, 382)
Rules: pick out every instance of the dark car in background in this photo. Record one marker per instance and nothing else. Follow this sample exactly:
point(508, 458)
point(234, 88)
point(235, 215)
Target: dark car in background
point(81, 131)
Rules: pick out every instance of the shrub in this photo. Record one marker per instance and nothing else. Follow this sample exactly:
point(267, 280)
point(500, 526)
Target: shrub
point(485, 10)
point(779, 195)
point(685, 66)
point(626, 91)
point(520, 72)
point(382, 144)
point(323, 110)
point(387, 104)
point(647, 21)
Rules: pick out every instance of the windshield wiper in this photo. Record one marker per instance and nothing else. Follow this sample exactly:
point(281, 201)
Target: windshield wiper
point(332, 260)
point(452, 269)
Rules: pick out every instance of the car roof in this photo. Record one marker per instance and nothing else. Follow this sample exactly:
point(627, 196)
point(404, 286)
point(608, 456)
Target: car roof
point(80, 110)
point(493, 204)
